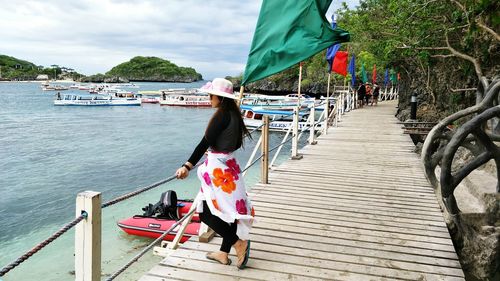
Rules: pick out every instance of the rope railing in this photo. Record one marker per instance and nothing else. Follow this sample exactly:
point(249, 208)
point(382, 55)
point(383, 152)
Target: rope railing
point(42, 244)
point(141, 190)
point(71, 224)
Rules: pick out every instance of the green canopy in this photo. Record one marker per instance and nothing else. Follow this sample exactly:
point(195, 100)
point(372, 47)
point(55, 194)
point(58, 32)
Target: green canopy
point(287, 33)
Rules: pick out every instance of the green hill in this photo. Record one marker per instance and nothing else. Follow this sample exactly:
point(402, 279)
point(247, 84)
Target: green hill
point(15, 69)
point(12, 68)
point(153, 69)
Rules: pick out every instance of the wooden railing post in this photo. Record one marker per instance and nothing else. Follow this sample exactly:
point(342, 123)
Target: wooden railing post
point(295, 135)
point(88, 237)
point(326, 110)
point(312, 141)
point(265, 150)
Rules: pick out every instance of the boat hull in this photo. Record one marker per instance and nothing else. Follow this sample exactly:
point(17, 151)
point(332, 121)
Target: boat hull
point(154, 227)
point(281, 126)
point(97, 102)
point(187, 103)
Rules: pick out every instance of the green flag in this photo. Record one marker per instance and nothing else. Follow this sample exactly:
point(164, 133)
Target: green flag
point(287, 33)
point(364, 78)
point(394, 77)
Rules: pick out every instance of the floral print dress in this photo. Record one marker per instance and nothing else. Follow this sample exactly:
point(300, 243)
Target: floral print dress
point(223, 189)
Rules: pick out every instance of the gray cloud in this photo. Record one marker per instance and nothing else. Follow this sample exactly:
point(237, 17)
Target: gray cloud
point(213, 36)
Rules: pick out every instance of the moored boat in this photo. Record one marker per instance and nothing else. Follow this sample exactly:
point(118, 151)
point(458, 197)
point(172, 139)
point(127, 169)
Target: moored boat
point(150, 99)
point(95, 100)
point(280, 118)
point(48, 87)
point(161, 216)
point(191, 100)
point(154, 227)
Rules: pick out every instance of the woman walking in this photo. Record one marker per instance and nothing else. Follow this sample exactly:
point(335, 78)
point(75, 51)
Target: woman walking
point(224, 205)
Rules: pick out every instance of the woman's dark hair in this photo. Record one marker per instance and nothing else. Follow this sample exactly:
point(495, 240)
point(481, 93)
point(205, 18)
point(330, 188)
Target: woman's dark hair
point(229, 105)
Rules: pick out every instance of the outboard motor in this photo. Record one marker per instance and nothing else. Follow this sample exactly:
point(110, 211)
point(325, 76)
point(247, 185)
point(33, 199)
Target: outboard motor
point(166, 208)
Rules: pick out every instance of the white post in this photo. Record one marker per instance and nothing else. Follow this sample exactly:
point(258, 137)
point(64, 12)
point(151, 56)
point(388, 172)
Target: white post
point(88, 237)
point(254, 152)
point(339, 109)
point(295, 134)
point(279, 149)
point(312, 129)
point(265, 151)
point(299, 95)
point(182, 228)
point(327, 105)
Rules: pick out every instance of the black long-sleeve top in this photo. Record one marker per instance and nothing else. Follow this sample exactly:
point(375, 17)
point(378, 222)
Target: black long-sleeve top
point(221, 135)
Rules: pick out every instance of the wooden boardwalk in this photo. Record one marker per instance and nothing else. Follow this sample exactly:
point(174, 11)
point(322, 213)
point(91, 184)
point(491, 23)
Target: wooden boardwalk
point(356, 207)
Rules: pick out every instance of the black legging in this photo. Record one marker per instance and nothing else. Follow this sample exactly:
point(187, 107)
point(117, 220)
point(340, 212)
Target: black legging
point(224, 229)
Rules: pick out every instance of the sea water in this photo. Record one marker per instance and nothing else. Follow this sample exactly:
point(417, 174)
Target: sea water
point(48, 154)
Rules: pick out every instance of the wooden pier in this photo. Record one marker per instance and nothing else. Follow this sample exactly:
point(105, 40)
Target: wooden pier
point(356, 207)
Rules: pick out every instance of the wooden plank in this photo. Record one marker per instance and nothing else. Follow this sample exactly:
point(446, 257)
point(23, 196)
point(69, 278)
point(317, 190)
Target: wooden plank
point(312, 209)
point(207, 268)
point(334, 261)
point(324, 192)
point(315, 267)
point(342, 216)
point(365, 206)
point(290, 218)
point(427, 197)
point(328, 241)
point(334, 223)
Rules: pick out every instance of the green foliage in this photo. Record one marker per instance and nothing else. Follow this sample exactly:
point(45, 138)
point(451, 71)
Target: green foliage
point(15, 69)
point(153, 69)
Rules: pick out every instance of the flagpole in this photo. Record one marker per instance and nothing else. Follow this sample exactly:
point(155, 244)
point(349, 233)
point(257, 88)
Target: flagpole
point(300, 82)
point(241, 94)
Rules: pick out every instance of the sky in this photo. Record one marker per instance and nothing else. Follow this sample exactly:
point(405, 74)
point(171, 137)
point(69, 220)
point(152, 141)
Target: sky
point(92, 36)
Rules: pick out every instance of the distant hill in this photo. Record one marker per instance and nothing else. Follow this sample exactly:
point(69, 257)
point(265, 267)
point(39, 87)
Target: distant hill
point(153, 69)
point(12, 68)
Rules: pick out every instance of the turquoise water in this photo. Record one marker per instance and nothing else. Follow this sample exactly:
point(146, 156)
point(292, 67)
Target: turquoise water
point(49, 154)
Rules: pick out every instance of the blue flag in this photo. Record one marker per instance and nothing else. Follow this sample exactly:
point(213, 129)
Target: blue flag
point(352, 70)
point(386, 77)
point(332, 50)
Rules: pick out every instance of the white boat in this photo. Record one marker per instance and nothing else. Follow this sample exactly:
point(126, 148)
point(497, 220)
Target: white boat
point(48, 87)
point(185, 99)
point(95, 100)
point(150, 99)
point(280, 119)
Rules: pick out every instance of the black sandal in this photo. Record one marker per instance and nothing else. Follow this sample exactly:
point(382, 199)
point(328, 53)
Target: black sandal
point(247, 256)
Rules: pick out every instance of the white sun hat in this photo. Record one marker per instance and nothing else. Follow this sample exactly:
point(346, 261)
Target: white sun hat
point(220, 87)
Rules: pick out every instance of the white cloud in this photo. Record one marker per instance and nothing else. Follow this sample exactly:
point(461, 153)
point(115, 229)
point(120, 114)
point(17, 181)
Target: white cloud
point(91, 36)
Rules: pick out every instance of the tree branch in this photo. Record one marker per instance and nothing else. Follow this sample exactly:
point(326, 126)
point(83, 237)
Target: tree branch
point(489, 30)
point(442, 56)
point(463, 90)
point(477, 67)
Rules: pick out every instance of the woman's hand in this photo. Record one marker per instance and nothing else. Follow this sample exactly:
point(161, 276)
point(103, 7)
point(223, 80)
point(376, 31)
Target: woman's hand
point(182, 173)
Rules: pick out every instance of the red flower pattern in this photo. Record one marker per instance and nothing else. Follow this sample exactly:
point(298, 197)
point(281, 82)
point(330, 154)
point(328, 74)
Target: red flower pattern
point(233, 168)
point(241, 207)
